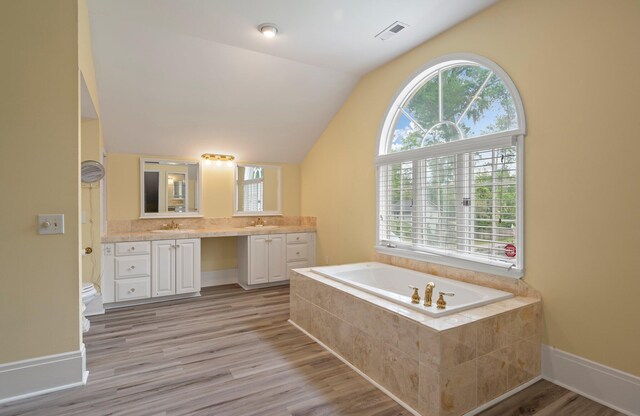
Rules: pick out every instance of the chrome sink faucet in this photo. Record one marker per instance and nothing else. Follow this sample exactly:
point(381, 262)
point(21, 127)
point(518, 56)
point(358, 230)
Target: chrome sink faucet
point(259, 222)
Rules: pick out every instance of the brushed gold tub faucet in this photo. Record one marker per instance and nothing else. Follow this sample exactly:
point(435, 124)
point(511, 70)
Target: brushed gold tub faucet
point(441, 304)
point(428, 293)
point(415, 298)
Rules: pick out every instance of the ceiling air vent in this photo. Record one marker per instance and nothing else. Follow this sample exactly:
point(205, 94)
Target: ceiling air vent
point(392, 30)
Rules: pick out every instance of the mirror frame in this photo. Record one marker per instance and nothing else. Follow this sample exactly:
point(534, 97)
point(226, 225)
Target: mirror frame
point(198, 196)
point(237, 213)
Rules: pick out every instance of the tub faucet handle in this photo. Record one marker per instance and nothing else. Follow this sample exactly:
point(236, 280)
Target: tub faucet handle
point(441, 304)
point(415, 298)
point(428, 293)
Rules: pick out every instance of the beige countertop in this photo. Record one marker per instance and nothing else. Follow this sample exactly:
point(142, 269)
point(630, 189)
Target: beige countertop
point(204, 233)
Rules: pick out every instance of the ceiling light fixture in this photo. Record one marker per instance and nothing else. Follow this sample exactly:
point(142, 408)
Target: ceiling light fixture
point(218, 158)
point(269, 30)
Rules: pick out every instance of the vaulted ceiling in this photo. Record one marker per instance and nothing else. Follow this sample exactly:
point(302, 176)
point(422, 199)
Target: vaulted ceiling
point(193, 76)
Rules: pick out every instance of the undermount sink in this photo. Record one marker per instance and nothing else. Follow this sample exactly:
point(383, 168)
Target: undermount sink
point(262, 227)
point(176, 231)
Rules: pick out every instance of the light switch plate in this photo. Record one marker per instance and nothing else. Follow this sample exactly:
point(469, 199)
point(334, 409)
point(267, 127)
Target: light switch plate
point(51, 224)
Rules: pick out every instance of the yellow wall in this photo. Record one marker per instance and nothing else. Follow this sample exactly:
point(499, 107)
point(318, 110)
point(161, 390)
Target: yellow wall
point(39, 164)
point(575, 63)
point(123, 200)
point(85, 53)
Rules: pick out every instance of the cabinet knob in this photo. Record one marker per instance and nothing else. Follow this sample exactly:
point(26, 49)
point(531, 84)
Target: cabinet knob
point(177, 245)
point(297, 238)
point(298, 253)
point(132, 267)
point(133, 249)
point(133, 289)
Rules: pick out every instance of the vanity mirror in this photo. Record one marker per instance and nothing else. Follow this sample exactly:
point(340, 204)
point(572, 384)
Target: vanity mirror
point(169, 188)
point(258, 190)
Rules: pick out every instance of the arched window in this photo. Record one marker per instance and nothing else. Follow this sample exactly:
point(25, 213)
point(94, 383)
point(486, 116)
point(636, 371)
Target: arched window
point(450, 168)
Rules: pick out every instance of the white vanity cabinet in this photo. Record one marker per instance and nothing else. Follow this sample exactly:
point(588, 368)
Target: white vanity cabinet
point(301, 250)
point(175, 267)
point(127, 271)
point(135, 271)
point(267, 259)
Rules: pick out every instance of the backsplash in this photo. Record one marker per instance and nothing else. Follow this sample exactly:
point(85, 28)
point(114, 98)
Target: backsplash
point(140, 225)
point(508, 284)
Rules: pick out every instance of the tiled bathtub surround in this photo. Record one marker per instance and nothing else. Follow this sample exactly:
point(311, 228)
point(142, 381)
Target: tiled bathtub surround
point(437, 366)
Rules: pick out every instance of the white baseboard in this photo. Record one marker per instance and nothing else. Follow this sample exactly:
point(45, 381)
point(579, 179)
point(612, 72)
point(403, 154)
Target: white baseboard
point(219, 277)
point(35, 376)
point(608, 386)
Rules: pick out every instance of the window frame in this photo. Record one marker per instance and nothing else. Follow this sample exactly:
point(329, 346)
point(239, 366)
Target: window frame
point(513, 137)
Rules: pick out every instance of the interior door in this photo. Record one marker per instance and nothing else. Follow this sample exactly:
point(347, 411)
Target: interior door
point(259, 259)
point(163, 268)
point(277, 258)
point(187, 265)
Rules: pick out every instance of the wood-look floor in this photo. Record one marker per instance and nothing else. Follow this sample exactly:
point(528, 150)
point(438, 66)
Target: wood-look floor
point(232, 352)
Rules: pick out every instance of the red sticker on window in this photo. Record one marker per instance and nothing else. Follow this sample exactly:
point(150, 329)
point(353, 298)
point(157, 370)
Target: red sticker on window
point(510, 250)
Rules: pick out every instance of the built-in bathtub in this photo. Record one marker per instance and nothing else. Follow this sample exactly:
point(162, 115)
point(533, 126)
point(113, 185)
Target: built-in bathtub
point(486, 348)
point(393, 283)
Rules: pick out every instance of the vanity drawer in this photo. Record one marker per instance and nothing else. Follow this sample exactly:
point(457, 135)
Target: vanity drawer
point(297, 252)
point(297, 238)
point(296, 265)
point(131, 289)
point(133, 266)
point(133, 248)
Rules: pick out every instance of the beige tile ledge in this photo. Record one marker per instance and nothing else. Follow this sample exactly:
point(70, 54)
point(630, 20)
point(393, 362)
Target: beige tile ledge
point(438, 324)
point(118, 237)
point(508, 284)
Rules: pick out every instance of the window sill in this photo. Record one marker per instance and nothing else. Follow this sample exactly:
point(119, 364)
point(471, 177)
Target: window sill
point(451, 261)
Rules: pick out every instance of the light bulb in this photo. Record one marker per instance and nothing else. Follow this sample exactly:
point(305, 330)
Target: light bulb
point(207, 162)
point(229, 163)
point(218, 163)
point(268, 30)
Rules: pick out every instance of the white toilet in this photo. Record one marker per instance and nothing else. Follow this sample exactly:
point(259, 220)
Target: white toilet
point(89, 293)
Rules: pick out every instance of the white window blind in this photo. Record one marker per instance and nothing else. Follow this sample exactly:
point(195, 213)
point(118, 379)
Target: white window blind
point(450, 168)
point(252, 195)
point(462, 205)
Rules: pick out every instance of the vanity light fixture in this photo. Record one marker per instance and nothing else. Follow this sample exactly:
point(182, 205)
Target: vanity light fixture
point(269, 30)
point(218, 158)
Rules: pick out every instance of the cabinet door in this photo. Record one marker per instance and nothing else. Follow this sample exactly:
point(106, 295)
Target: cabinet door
point(187, 265)
point(277, 258)
point(258, 259)
point(163, 268)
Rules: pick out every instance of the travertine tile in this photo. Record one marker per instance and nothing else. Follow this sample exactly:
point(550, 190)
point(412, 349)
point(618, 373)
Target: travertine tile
point(509, 284)
point(440, 366)
point(524, 362)
point(528, 322)
point(458, 389)
point(429, 346)
point(492, 375)
point(458, 345)
point(398, 332)
point(495, 333)
point(429, 394)
point(367, 355)
point(400, 375)
point(118, 226)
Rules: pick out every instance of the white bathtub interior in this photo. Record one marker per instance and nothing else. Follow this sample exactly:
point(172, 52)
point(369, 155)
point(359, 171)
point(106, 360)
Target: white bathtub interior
point(392, 283)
